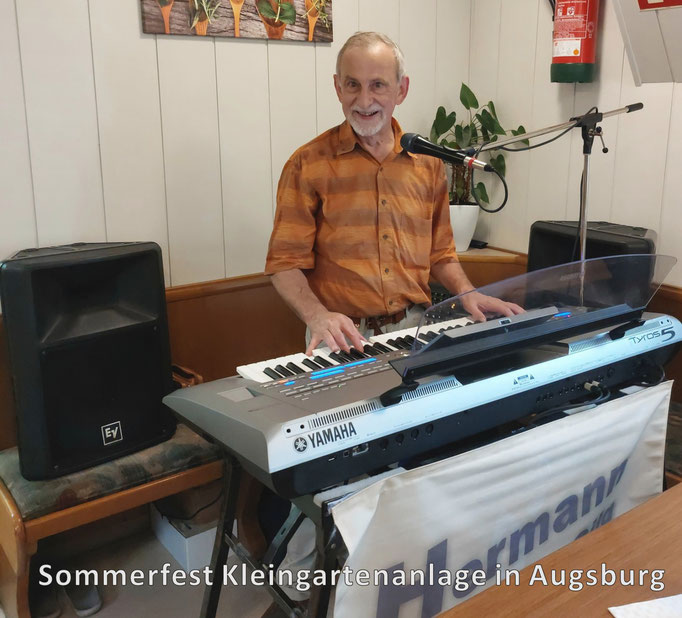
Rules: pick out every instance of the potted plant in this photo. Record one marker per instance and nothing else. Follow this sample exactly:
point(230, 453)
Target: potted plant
point(202, 13)
point(479, 125)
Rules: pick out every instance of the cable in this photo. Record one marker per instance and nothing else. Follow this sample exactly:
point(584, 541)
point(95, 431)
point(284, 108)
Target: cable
point(604, 395)
point(506, 193)
point(193, 515)
point(549, 141)
point(658, 379)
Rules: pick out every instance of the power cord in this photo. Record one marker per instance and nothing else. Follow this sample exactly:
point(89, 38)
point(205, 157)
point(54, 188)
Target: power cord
point(193, 515)
point(603, 394)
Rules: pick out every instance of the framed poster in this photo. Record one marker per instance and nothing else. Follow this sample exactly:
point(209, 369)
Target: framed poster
point(293, 20)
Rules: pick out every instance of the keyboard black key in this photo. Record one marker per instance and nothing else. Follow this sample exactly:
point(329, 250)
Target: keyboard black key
point(337, 357)
point(397, 344)
point(430, 336)
point(295, 368)
point(271, 373)
point(356, 354)
point(406, 345)
point(409, 339)
point(371, 350)
point(347, 356)
point(381, 347)
point(312, 364)
point(322, 361)
point(284, 371)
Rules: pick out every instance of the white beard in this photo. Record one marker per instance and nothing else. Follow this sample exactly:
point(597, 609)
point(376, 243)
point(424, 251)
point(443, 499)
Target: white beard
point(366, 128)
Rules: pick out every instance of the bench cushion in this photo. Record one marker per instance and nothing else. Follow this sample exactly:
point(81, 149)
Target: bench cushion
point(34, 499)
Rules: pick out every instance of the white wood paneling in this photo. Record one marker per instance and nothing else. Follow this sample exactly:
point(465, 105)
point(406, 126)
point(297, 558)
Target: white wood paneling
point(129, 119)
point(293, 110)
point(345, 19)
point(483, 67)
point(418, 43)
point(189, 117)
point(552, 105)
point(18, 228)
point(671, 211)
point(641, 154)
point(244, 110)
point(603, 92)
point(513, 101)
point(380, 16)
point(453, 23)
point(62, 121)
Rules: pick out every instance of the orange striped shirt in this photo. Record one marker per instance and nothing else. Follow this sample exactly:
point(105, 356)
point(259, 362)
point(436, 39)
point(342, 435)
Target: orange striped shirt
point(364, 233)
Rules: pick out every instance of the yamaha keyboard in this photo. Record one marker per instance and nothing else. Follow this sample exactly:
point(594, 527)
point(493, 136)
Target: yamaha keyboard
point(326, 422)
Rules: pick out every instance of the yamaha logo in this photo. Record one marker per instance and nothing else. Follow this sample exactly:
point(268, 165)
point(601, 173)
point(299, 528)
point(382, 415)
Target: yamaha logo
point(300, 444)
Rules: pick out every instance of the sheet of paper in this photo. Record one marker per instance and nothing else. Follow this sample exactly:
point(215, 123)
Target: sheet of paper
point(666, 607)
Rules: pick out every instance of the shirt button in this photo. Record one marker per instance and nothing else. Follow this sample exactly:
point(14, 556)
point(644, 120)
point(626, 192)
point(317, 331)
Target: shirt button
point(390, 302)
point(385, 236)
point(385, 270)
point(383, 202)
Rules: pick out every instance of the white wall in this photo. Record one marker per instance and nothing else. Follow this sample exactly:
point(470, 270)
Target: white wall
point(636, 183)
point(110, 134)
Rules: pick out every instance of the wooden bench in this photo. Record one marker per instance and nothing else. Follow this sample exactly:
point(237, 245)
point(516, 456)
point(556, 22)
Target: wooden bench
point(34, 510)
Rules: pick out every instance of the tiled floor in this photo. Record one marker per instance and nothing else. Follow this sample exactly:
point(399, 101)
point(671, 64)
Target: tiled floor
point(142, 551)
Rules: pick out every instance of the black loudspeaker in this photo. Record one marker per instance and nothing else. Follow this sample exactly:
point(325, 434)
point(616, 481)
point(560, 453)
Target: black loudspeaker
point(89, 354)
point(556, 242)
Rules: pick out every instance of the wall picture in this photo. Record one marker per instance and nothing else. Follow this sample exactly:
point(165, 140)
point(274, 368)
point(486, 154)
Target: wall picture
point(291, 20)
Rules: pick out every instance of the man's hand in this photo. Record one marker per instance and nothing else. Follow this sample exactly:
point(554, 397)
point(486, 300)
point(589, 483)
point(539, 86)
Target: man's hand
point(476, 304)
point(334, 329)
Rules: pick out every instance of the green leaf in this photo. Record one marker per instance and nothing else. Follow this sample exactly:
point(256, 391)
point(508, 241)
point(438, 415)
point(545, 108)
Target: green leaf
point(481, 193)
point(458, 135)
point(442, 123)
point(491, 107)
point(466, 137)
point(520, 131)
point(498, 163)
point(287, 13)
point(486, 120)
point(467, 97)
point(266, 9)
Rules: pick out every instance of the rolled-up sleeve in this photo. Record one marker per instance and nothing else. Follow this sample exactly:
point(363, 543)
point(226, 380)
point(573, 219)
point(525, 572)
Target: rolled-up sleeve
point(442, 242)
point(293, 235)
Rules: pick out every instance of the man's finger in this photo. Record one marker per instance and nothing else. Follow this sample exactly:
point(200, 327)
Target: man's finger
point(314, 342)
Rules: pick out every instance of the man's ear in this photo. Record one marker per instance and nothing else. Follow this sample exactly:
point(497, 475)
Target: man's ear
point(402, 91)
point(337, 86)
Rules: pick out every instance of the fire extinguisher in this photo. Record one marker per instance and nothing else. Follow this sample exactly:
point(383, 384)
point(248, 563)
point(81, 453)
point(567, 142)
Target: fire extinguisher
point(574, 40)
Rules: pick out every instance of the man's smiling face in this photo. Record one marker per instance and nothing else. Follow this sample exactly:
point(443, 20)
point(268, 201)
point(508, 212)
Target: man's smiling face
point(368, 88)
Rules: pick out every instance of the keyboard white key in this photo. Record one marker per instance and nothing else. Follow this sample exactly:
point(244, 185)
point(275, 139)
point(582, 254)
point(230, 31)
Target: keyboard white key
point(255, 371)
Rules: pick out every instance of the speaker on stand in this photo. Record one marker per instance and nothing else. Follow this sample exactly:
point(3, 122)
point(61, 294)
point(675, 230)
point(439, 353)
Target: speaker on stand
point(89, 354)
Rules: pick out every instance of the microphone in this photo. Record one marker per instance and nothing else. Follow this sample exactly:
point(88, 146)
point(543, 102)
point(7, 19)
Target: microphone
point(417, 144)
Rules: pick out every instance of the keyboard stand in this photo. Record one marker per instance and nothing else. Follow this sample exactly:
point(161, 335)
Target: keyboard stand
point(328, 545)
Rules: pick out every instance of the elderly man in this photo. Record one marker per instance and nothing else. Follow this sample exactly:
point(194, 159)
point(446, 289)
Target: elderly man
point(361, 224)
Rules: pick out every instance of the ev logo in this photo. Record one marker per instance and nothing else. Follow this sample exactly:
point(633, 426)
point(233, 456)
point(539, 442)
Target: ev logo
point(112, 433)
point(300, 444)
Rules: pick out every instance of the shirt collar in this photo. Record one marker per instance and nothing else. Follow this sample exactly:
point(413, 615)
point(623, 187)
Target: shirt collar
point(348, 140)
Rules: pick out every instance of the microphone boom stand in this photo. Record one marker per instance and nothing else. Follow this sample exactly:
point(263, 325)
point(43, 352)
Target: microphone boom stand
point(589, 129)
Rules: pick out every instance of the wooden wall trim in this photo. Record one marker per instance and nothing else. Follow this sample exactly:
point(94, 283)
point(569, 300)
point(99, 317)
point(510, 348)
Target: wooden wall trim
point(216, 287)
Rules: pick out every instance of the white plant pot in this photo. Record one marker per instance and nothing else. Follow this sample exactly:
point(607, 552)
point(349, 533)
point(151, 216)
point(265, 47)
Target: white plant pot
point(463, 219)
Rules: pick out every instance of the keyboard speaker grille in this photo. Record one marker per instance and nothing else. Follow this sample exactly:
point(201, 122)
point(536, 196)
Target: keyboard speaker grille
point(343, 414)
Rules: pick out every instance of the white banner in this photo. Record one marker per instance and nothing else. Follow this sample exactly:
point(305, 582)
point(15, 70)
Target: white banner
point(417, 540)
